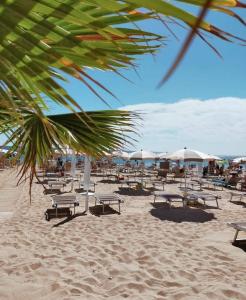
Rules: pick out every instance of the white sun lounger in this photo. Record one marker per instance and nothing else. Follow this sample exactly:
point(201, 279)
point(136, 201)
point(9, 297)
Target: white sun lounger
point(170, 197)
point(194, 196)
point(64, 201)
point(240, 226)
point(92, 185)
point(108, 199)
point(240, 196)
point(55, 186)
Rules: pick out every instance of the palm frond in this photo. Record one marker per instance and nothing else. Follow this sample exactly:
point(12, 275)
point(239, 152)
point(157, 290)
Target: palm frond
point(93, 133)
point(43, 36)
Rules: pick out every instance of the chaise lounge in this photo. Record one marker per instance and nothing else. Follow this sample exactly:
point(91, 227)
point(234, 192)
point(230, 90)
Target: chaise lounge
point(240, 226)
point(170, 197)
point(194, 196)
point(108, 199)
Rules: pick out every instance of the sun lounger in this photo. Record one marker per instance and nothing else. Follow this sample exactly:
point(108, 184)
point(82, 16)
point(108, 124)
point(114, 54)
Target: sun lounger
point(240, 226)
point(108, 199)
point(237, 195)
point(130, 183)
point(57, 213)
point(194, 196)
point(54, 186)
point(214, 183)
point(232, 182)
point(170, 178)
point(65, 200)
point(154, 183)
point(92, 186)
point(191, 185)
point(170, 197)
point(52, 175)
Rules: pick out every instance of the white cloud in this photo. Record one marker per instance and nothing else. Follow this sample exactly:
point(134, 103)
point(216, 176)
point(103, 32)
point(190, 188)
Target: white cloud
point(215, 126)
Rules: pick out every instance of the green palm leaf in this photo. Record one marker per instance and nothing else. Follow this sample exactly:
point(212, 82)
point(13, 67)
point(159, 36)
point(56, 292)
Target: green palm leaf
point(93, 133)
point(69, 35)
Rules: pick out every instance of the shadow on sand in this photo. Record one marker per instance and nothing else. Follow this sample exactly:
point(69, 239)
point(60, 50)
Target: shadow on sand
point(70, 218)
point(163, 212)
point(97, 210)
point(109, 181)
point(132, 192)
point(238, 203)
point(240, 244)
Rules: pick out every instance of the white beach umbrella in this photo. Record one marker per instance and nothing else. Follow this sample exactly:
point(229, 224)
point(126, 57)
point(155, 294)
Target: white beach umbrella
point(120, 154)
point(211, 157)
point(163, 155)
point(187, 155)
point(239, 160)
point(142, 155)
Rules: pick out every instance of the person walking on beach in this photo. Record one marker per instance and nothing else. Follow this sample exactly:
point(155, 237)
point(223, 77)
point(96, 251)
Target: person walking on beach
point(60, 166)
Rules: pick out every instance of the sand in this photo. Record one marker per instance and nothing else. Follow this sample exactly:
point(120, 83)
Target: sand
point(147, 252)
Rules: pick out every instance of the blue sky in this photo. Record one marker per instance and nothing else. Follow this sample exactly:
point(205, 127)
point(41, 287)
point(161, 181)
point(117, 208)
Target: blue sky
point(202, 74)
point(202, 106)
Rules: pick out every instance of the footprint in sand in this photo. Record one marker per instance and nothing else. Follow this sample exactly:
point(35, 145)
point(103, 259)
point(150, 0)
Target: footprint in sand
point(35, 266)
point(155, 273)
point(187, 275)
point(233, 294)
point(136, 286)
point(55, 286)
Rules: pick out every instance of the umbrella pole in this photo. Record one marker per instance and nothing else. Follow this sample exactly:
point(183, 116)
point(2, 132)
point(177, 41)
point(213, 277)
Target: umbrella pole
point(73, 167)
point(87, 171)
point(185, 191)
point(142, 178)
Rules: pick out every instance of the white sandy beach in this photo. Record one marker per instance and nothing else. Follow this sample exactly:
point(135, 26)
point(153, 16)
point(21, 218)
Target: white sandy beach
point(147, 252)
